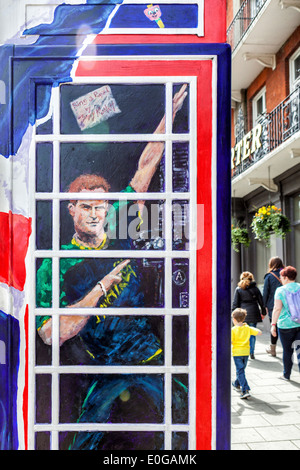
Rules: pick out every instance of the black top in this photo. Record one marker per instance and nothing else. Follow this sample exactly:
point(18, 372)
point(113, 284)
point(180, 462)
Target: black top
point(270, 286)
point(251, 300)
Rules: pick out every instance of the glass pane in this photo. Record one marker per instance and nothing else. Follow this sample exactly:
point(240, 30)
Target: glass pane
point(126, 398)
point(45, 122)
point(180, 218)
point(296, 203)
point(297, 245)
point(44, 225)
point(111, 109)
point(180, 283)
point(43, 351)
point(180, 341)
point(181, 167)
point(180, 399)
point(42, 440)
point(117, 225)
point(181, 123)
point(117, 440)
point(116, 162)
point(260, 106)
point(142, 282)
point(44, 283)
point(112, 340)
point(297, 67)
point(43, 398)
point(180, 441)
point(263, 254)
point(44, 168)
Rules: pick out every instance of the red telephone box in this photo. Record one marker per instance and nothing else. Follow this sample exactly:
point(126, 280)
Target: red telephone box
point(130, 100)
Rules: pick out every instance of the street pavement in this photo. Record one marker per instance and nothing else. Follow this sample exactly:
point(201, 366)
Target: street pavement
point(270, 419)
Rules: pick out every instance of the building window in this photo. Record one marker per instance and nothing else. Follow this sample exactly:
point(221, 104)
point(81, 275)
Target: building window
point(239, 127)
point(295, 71)
point(259, 106)
point(64, 380)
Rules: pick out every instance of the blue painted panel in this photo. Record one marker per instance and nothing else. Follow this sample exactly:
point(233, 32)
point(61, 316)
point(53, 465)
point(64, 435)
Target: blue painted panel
point(9, 364)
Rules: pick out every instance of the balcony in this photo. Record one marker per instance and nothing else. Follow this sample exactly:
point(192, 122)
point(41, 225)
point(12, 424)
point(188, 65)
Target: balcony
point(257, 32)
point(273, 145)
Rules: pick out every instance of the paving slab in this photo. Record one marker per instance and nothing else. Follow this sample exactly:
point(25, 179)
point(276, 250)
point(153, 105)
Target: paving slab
point(282, 445)
point(270, 419)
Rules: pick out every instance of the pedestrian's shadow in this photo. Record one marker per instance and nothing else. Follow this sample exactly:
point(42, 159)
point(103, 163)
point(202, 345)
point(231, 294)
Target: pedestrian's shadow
point(255, 404)
point(275, 366)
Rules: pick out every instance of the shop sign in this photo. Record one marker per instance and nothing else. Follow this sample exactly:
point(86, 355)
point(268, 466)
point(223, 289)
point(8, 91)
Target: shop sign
point(246, 146)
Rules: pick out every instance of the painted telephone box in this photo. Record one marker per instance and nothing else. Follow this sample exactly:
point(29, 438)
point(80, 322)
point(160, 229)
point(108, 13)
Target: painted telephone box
point(115, 226)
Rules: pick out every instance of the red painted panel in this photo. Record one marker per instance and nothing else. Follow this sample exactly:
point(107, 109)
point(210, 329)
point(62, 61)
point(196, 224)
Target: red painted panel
point(15, 231)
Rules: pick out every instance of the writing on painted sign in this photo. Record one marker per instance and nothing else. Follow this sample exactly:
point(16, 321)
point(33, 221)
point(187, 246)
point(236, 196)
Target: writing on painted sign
point(247, 146)
point(94, 107)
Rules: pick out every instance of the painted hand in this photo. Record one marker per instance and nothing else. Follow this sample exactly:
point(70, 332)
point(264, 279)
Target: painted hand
point(178, 99)
point(115, 276)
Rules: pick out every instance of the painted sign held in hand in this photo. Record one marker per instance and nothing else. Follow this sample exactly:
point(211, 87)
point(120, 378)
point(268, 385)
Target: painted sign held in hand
point(94, 107)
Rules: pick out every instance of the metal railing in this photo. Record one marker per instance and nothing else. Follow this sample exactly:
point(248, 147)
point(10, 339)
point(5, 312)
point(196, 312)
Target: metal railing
point(277, 127)
point(243, 20)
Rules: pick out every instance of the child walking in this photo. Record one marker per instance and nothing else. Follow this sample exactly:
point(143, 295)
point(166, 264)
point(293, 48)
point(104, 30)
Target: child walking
point(240, 340)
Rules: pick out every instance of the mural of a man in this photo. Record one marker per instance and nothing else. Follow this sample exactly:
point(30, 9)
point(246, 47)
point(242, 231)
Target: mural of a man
point(107, 282)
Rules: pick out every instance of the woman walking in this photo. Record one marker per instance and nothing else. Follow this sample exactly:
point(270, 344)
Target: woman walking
point(248, 296)
point(271, 282)
point(288, 329)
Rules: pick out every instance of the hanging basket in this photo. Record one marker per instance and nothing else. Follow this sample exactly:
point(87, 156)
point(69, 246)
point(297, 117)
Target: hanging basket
point(239, 236)
point(269, 220)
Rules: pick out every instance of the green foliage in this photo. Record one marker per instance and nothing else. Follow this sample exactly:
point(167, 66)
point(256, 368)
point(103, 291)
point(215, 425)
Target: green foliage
point(269, 220)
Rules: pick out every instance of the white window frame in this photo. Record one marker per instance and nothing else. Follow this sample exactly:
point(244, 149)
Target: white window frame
point(294, 83)
point(30, 13)
point(168, 254)
point(255, 116)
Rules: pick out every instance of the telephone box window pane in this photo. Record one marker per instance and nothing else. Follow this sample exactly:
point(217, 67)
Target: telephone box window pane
point(43, 352)
point(115, 440)
point(116, 162)
point(180, 399)
point(117, 340)
point(180, 218)
point(180, 341)
point(42, 440)
point(181, 175)
point(43, 398)
point(44, 225)
point(124, 398)
point(150, 232)
point(44, 283)
point(43, 93)
point(44, 168)
point(182, 122)
point(180, 441)
point(142, 282)
point(180, 283)
point(111, 109)
point(127, 224)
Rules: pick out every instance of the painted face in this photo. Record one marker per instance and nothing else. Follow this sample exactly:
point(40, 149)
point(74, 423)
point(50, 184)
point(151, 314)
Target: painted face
point(89, 216)
point(153, 13)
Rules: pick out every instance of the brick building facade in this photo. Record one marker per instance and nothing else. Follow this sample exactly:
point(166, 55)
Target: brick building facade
point(265, 40)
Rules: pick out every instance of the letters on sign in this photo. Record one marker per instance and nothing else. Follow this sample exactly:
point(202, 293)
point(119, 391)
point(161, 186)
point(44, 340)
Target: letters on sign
point(246, 147)
point(94, 107)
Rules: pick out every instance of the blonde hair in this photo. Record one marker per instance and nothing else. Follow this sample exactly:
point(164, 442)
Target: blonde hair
point(245, 279)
